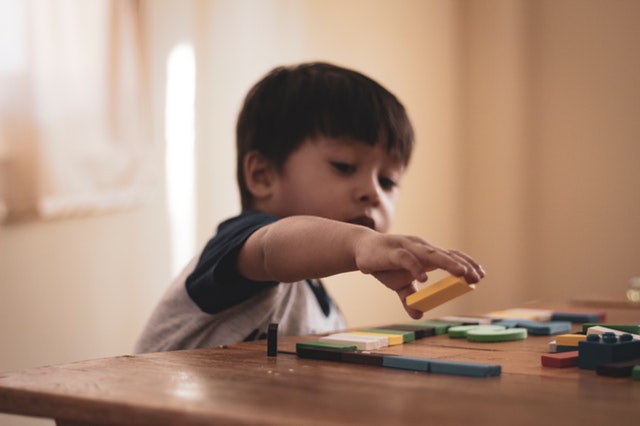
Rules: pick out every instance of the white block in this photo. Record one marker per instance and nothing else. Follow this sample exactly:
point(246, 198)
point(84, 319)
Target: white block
point(361, 341)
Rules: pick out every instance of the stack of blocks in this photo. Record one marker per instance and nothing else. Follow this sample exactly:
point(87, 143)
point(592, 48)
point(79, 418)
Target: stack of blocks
point(596, 351)
point(355, 348)
point(610, 350)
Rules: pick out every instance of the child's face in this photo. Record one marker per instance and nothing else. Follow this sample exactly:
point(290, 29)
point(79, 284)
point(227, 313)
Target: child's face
point(339, 179)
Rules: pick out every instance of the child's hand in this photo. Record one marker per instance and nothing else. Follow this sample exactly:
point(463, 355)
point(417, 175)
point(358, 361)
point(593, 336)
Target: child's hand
point(397, 261)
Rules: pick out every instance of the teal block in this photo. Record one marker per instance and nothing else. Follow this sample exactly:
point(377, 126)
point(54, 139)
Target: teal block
point(406, 363)
point(577, 317)
point(461, 368)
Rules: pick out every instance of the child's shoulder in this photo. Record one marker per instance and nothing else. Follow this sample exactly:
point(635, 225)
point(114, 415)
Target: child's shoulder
point(242, 225)
point(247, 218)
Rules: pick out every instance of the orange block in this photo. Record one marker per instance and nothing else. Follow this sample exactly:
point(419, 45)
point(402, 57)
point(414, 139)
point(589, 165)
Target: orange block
point(438, 293)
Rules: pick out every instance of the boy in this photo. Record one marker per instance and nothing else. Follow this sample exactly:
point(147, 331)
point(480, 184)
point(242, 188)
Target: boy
point(321, 150)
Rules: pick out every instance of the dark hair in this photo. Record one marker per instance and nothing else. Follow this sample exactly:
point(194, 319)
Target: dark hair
point(291, 104)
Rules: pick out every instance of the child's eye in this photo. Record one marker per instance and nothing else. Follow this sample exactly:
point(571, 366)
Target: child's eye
point(386, 183)
point(343, 167)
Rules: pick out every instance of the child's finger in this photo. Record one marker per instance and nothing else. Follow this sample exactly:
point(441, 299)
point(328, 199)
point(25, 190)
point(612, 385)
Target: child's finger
point(403, 293)
point(437, 258)
point(476, 266)
point(408, 261)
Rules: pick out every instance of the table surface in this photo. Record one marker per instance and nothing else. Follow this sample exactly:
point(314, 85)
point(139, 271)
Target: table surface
point(239, 384)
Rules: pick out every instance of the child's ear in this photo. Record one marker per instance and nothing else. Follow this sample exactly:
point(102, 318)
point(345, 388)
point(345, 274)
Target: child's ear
point(259, 175)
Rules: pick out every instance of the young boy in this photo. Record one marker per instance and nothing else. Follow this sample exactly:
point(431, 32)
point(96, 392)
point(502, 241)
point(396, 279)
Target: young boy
point(321, 150)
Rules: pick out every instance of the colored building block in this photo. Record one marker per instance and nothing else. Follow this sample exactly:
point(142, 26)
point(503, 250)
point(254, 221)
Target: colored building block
point(570, 339)
point(560, 360)
point(438, 293)
point(327, 345)
point(393, 339)
point(562, 348)
point(272, 340)
point(438, 366)
point(618, 369)
point(407, 336)
point(509, 323)
point(547, 328)
point(579, 317)
point(338, 355)
point(522, 313)
point(625, 328)
point(462, 330)
point(482, 334)
point(635, 373)
point(460, 368)
point(420, 331)
point(466, 320)
point(406, 363)
point(319, 353)
point(364, 358)
point(362, 342)
point(439, 327)
point(596, 351)
point(537, 328)
point(598, 329)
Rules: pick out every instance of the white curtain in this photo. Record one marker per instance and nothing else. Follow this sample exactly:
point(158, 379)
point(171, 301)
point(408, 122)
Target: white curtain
point(74, 108)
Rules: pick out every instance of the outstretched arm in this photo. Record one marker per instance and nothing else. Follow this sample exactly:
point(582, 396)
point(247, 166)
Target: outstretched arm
point(301, 247)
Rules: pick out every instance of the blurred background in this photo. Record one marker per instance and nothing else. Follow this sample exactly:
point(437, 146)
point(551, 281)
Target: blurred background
point(117, 156)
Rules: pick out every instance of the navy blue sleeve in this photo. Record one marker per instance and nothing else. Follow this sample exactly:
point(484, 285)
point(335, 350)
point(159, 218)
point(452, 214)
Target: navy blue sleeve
point(215, 283)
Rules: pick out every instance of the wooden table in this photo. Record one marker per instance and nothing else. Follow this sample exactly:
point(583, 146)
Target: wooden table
point(239, 384)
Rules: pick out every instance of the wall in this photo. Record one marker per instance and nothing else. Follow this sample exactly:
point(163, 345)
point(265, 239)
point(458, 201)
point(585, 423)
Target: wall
point(551, 147)
point(526, 117)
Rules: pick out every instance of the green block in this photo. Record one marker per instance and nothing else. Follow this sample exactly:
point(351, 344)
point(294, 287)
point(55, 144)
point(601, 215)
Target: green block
point(486, 335)
point(440, 327)
point(635, 373)
point(462, 330)
point(326, 345)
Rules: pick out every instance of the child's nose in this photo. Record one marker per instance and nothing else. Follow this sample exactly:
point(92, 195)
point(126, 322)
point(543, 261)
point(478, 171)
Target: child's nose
point(369, 191)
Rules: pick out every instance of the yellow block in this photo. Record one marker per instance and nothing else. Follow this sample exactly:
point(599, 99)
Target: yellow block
point(569, 339)
point(394, 339)
point(438, 293)
point(541, 315)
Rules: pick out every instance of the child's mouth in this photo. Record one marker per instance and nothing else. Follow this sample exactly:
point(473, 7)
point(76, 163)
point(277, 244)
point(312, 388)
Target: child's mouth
point(364, 221)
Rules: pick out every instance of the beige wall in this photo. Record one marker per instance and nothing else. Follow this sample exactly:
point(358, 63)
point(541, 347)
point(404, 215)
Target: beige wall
point(528, 148)
point(552, 147)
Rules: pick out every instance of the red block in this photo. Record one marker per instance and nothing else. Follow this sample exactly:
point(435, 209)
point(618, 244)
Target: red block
point(560, 359)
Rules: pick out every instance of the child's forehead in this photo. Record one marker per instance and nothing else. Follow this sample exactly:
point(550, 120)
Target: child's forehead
point(350, 144)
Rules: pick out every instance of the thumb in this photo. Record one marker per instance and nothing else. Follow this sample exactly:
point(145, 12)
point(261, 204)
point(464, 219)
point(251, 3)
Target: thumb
point(403, 293)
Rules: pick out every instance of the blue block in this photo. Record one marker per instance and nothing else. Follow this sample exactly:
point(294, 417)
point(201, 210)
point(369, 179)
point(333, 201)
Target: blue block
point(562, 348)
point(508, 323)
point(547, 328)
point(406, 363)
point(575, 317)
point(538, 328)
point(459, 368)
point(465, 368)
point(594, 351)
